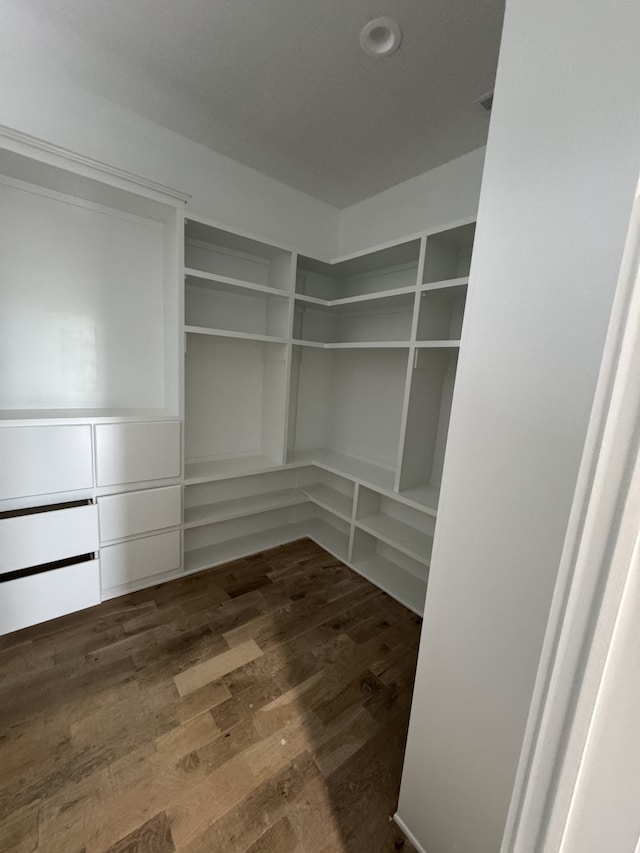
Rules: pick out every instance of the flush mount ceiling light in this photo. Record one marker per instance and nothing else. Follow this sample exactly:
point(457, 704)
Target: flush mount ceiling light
point(380, 37)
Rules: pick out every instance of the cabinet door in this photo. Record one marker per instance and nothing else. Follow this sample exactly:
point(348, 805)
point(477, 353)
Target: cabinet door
point(45, 537)
point(140, 558)
point(133, 513)
point(45, 459)
point(137, 452)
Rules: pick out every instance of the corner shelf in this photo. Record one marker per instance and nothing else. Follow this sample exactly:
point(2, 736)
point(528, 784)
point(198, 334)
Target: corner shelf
point(330, 499)
point(341, 463)
point(329, 538)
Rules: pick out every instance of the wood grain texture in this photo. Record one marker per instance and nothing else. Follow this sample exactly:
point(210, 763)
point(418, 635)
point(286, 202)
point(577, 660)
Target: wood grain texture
point(259, 706)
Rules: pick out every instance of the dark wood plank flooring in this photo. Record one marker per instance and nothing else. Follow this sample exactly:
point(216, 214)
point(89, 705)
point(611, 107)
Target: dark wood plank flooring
point(261, 706)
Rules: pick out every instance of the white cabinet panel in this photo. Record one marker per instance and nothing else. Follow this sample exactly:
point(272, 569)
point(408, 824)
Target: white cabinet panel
point(140, 558)
point(43, 460)
point(44, 537)
point(37, 598)
point(136, 452)
point(139, 512)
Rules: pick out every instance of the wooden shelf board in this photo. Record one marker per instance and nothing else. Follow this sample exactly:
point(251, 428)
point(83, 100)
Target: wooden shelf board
point(446, 283)
point(438, 344)
point(201, 275)
point(329, 538)
point(243, 546)
point(412, 542)
point(350, 300)
point(368, 473)
point(330, 499)
point(426, 497)
point(227, 333)
point(353, 344)
point(197, 516)
point(394, 580)
point(221, 469)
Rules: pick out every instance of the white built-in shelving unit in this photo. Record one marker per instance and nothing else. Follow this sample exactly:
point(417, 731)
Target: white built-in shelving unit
point(317, 399)
point(174, 395)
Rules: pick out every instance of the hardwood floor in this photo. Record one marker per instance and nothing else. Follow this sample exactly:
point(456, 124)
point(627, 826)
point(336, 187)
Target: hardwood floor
point(261, 706)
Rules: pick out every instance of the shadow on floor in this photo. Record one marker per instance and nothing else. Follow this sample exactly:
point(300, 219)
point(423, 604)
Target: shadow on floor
point(259, 706)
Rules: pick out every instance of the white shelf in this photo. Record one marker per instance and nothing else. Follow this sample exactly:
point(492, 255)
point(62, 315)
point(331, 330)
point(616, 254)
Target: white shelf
point(329, 538)
point(330, 499)
point(355, 344)
point(222, 469)
point(412, 542)
point(243, 546)
point(404, 587)
point(348, 300)
point(438, 344)
point(442, 285)
point(341, 463)
point(235, 282)
point(197, 516)
point(226, 333)
point(426, 497)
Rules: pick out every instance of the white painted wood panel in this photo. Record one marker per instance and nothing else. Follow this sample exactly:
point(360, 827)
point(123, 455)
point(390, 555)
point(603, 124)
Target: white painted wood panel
point(43, 537)
point(82, 292)
point(139, 512)
point(140, 558)
point(38, 598)
point(137, 452)
point(44, 460)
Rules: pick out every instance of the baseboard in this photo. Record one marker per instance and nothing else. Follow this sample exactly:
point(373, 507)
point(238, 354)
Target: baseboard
point(403, 826)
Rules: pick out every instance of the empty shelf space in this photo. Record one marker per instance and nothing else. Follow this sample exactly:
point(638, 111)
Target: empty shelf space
point(394, 580)
point(329, 538)
point(204, 277)
point(243, 546)
point(438, 344)
point(221, 469)
point(226, 333)
point(415, 543)
point(426, 497)
point(225, 510)
point(330, 499)
point(351, 466)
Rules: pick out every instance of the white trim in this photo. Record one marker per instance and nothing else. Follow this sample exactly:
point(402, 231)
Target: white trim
point(595, 566)
point(403, 826)
point(27, 145)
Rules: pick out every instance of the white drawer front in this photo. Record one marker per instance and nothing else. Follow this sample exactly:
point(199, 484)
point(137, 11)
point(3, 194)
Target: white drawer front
point(138, 512)
point(44, 460)
point(134, 453)
point(37, 598)
point(140, 558)
point(31, 540)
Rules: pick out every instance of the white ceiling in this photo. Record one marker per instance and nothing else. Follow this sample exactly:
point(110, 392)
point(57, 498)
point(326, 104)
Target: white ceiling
point(281, 85)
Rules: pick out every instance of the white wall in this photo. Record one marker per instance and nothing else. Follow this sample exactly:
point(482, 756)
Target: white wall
point(562, 164)
point(66, 115)
point(435, 198)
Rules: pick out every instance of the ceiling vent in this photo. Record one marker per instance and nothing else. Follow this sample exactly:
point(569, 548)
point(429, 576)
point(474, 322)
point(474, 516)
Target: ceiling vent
point(485, 102)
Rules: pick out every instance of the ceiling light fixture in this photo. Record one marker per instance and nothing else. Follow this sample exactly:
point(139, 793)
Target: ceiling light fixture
point(380, 37)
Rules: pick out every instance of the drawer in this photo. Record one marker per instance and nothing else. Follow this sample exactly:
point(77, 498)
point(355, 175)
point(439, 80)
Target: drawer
point(140, 558)
point(44, 460)
point(48, 536)
point(138, 512)
point(37, 598)
point(134, 453)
